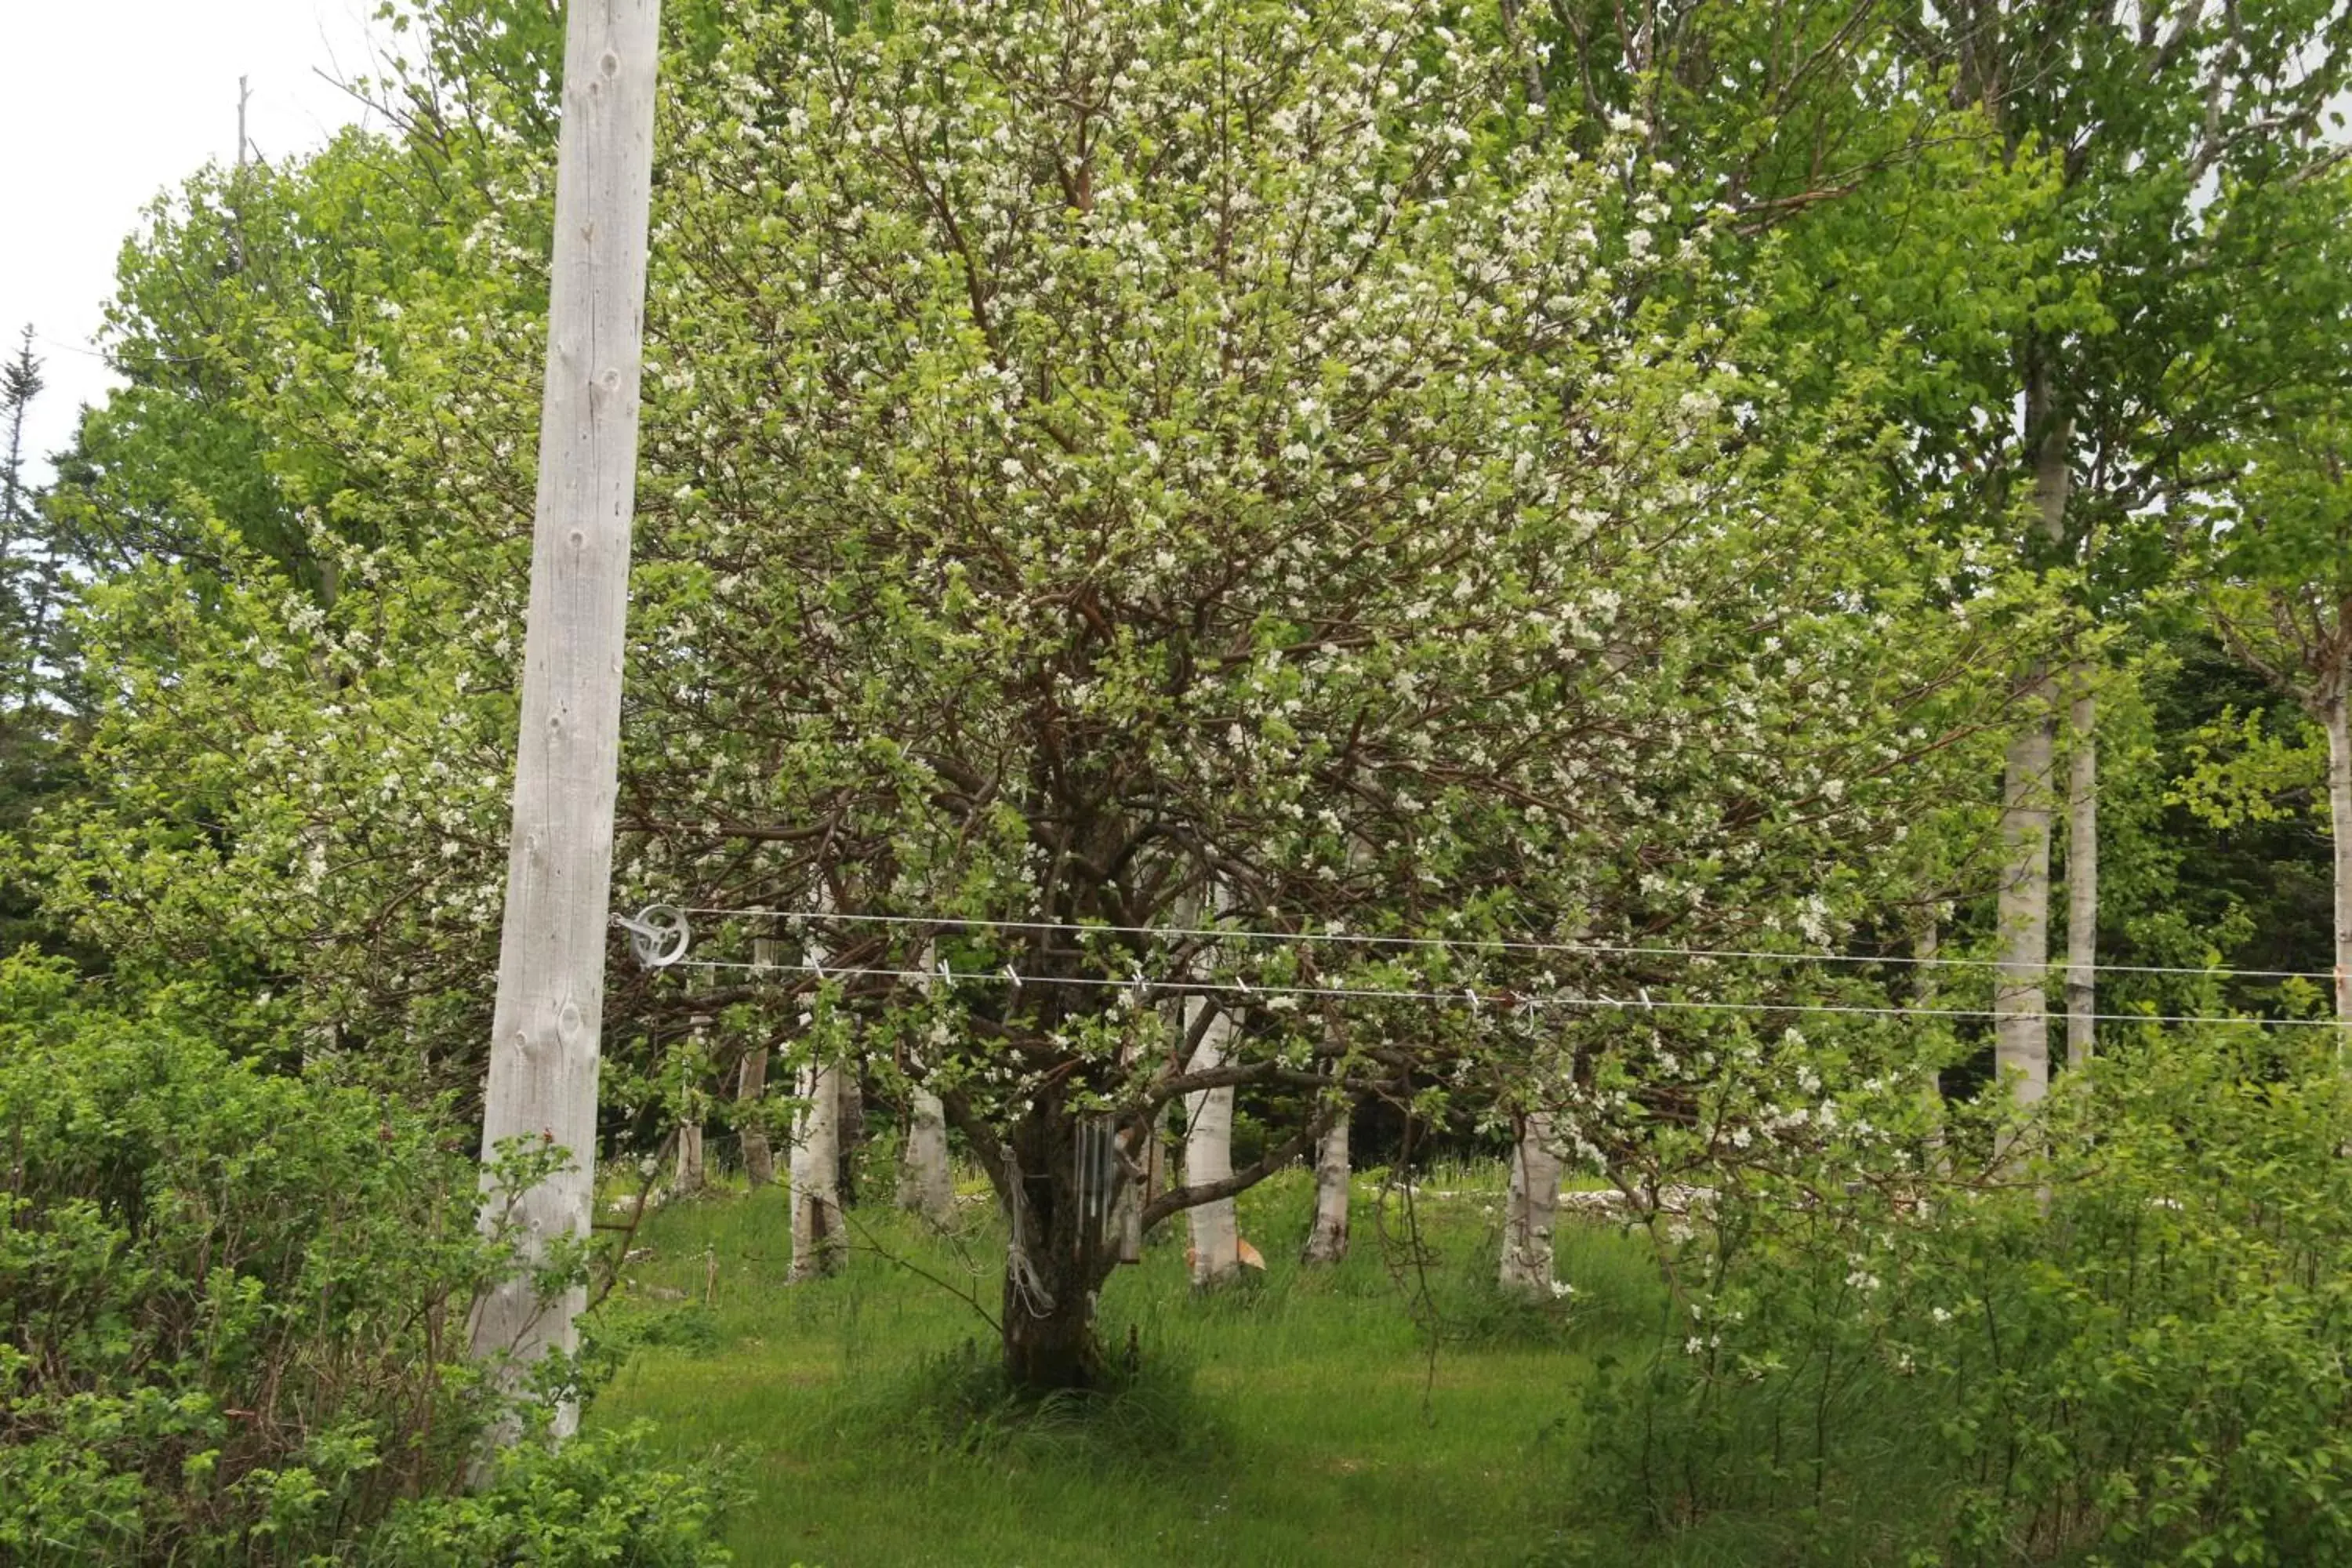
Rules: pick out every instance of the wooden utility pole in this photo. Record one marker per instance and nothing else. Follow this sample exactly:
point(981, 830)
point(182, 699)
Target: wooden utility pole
point(550, 999)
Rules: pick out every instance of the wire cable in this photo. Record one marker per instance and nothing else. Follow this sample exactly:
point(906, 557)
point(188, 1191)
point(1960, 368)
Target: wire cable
point(1583, 949)
point(1504, 1002)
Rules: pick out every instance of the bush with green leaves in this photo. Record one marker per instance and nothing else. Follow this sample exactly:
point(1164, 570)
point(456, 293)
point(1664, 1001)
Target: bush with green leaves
point(233, 1308)
point(598, 1499)
point(2127, 1348)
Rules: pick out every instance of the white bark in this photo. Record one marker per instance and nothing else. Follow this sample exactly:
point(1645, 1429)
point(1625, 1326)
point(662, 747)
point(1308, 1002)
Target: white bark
point(926, 1185)
point(2021, 1028)
point(2020, 1035)
point(1530, 1209)
point(1327, 1238)
point(2335, 717)
point(1208, 1153)
point(2082, 876)
point(1127, 1214)
point(817, 1176)
point(751, 1089)
point(1129, 1195)
point(1150, 1155)
point(1327, 1242)
point(549, 1011)
point(815, 1168)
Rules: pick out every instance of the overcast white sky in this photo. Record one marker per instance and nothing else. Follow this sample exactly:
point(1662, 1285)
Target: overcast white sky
point(104, 103)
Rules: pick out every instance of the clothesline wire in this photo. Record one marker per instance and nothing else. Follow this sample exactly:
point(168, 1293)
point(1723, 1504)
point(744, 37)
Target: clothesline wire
point(1501, 1002)
point(1584, 949)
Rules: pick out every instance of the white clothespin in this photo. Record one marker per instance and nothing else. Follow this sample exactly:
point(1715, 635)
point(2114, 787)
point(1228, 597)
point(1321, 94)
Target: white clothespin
point(1014, 976)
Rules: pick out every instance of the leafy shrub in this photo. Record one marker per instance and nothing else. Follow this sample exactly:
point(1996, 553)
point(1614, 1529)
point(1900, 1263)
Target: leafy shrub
point(599, 1498)
point(233, 1305)
point(2132, 1351)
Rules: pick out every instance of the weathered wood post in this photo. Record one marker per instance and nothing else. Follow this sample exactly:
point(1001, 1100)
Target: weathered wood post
point(551, 997)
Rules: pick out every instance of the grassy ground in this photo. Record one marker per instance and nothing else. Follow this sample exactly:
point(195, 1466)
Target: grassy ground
point(1299, 1419)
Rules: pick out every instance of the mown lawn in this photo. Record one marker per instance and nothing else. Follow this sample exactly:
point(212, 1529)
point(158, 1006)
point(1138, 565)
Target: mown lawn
point(1301, 1418)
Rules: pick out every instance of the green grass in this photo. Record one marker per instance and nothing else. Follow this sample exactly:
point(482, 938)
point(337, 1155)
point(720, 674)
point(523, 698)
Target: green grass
point(1297, 1419)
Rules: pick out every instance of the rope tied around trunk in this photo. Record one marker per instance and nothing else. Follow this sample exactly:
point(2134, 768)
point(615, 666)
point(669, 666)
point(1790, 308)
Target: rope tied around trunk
point(1019, 1269)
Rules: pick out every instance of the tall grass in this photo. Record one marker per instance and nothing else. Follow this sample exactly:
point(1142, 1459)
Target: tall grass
point(1307, 1417)
point(2136, 1359)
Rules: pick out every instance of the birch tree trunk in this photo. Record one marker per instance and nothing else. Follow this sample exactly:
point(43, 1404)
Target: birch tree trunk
point(2021, 1026)
point(549, 1013)
point(1127, 1209)
point(815, 1168)
point(2335, 717)
point(1147, 1149)
point(816, 1174)
point(2081, 875)
point(690, 1174)
point(2021, 1031)
point(926, 1185)
point(752, 1089)
point(1531, 1208)
point(1209, 1151)
point(1134, 1147)
point(1327, 1241)
point(1155, 1160)
point(1327, 1238)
